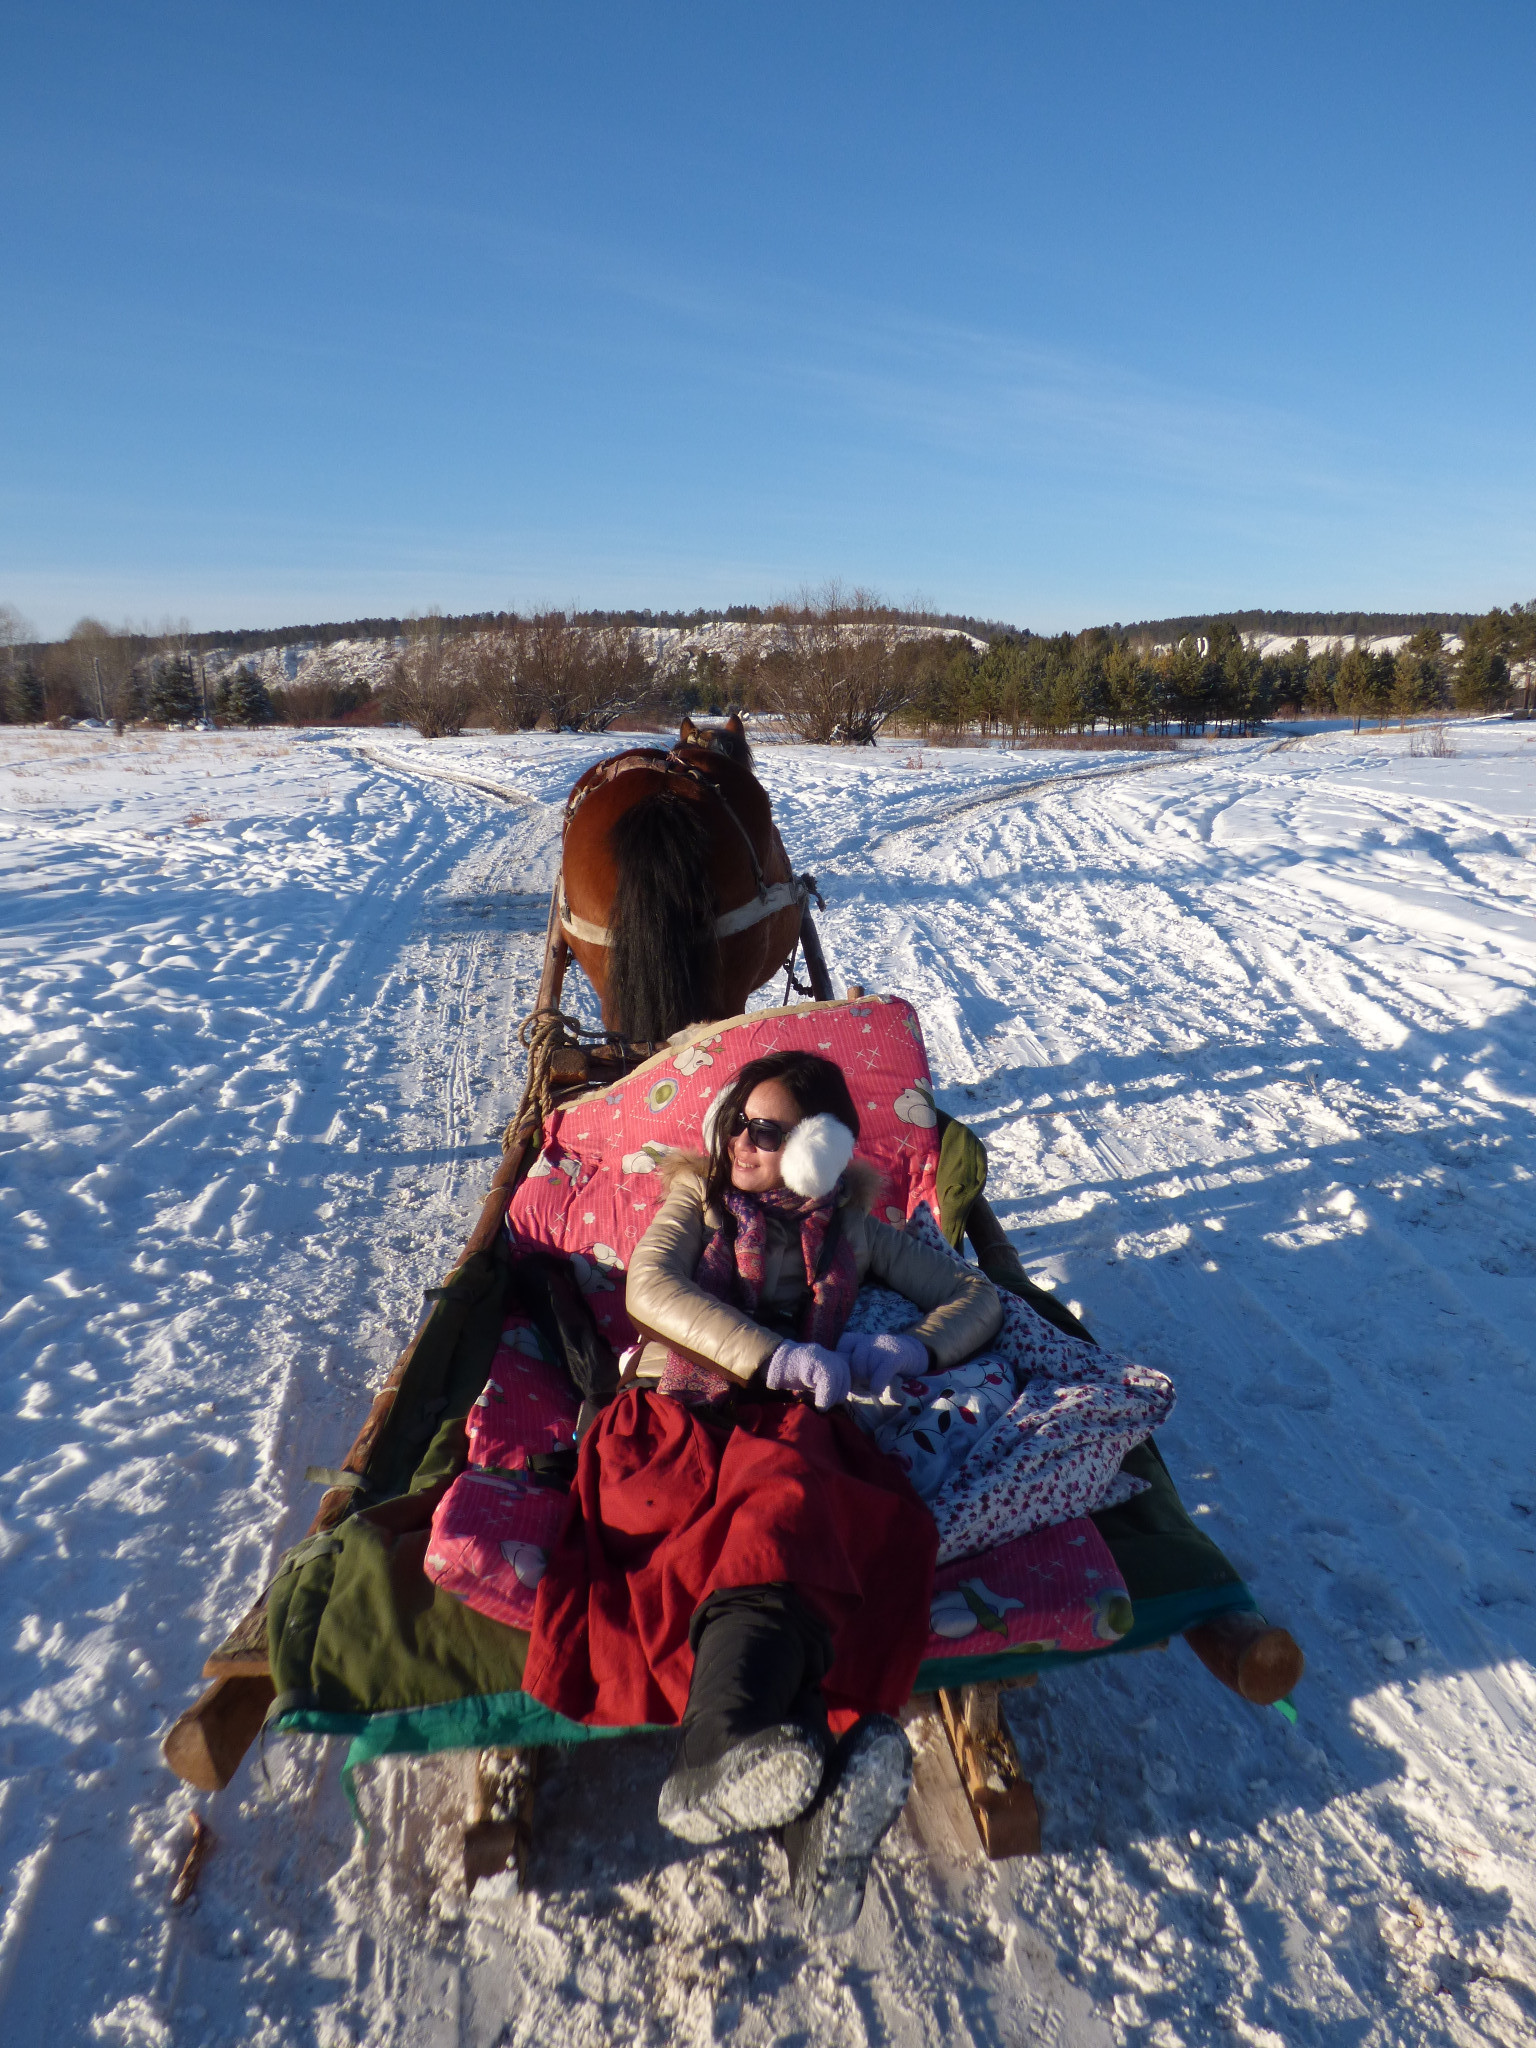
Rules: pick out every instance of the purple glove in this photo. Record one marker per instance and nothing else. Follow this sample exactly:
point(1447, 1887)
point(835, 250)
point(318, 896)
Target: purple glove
point(809, 1369)
point(875, 1361)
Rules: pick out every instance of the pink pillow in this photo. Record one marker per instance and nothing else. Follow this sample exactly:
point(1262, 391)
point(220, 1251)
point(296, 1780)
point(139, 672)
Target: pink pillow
point(594, 1187)
point(527, 1404)
point(491, 1539)
point(1054, 1589)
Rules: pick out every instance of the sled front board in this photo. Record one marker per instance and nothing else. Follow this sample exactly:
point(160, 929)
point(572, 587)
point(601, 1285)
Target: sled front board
point(206, 1743)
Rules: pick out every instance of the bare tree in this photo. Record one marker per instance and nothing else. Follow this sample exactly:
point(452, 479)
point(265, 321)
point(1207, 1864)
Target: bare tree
point(556, 657)
point(838, 670)
point(15, 631)
point(16, 696)
point(102, 663)
point(583, 677)
point(498, 669)
point(616, 676)
point(430, 681)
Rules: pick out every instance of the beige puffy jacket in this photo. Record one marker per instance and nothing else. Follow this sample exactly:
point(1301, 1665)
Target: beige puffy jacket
point(962, 1308)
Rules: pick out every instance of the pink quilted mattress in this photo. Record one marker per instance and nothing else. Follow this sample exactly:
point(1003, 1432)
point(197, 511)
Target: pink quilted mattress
point(594, 1187)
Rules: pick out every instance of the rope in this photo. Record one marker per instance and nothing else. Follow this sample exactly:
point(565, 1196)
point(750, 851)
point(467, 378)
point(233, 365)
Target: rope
point(544, 1033)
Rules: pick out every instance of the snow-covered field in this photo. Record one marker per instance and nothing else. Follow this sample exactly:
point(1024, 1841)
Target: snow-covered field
point(1249, 1032)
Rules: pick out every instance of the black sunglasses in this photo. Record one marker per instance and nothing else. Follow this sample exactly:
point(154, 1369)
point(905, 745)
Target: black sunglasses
point(764, 1133)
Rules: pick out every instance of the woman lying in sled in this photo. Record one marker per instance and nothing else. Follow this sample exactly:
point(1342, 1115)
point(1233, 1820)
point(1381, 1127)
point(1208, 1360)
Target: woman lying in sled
point(744, 1560)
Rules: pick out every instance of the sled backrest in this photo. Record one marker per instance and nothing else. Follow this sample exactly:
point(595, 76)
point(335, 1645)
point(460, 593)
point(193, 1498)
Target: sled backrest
point(595, 1187)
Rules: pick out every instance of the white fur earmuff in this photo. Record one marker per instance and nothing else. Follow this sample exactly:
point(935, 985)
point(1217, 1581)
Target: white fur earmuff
point(815, 1153)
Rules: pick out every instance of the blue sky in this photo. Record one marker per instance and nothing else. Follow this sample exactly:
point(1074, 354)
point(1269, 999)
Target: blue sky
point(1053, 313)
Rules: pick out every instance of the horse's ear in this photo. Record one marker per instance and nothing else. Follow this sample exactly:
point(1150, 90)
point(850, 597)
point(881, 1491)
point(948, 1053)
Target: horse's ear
point(734, 724)
point(687, 732)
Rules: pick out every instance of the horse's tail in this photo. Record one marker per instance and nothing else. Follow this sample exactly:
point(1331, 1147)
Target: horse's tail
point(664, 954)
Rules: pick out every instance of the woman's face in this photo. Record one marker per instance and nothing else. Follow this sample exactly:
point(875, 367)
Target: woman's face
point(754, 1172)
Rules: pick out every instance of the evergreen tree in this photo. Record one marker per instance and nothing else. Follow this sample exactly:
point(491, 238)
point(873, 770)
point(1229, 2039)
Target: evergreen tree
point(24, 695)
point(1322, 682)
point(1189, 678)
point(1129, 688)
point(1418, 677)
point(243, 699)
point(1482, 676)
point(173, 690)
point(1092, 687)
point(1384, 683)
point(1240, 687)
point(1056, 706)
point(1000, 680)
point(1355, 688)
point(1521, 652)
point(1292, 673)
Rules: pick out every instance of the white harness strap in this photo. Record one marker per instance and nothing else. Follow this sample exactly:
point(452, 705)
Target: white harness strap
point(780, 896)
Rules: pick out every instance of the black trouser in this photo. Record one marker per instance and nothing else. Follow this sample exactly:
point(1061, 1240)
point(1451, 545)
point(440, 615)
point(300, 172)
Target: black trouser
point(759, 1656)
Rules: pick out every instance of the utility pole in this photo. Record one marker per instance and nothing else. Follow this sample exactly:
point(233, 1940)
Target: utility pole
point(101, 702)
point(202, 670)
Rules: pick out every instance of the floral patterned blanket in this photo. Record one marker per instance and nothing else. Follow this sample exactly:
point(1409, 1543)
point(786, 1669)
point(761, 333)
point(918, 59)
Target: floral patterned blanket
point(1025, 1435)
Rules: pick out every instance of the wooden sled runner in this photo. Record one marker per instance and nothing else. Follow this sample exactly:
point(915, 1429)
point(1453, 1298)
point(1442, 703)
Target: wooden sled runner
point(379, 1499)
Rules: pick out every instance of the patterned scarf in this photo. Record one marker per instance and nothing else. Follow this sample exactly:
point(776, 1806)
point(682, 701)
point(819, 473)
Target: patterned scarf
point(733, 1265)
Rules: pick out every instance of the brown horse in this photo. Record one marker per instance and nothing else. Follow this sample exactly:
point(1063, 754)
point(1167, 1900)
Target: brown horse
point(676, 894)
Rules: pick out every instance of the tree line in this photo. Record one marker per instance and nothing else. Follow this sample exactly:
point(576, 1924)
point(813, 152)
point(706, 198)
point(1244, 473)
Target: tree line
point(1494, 666)
point(1214, 679)
point(121, 678)
point(833, 667)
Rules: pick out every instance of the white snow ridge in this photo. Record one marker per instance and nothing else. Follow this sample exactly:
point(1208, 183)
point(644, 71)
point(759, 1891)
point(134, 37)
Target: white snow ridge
point(1249, 1033)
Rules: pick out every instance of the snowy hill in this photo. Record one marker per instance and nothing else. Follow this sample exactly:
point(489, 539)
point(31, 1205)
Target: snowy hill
point(1319, 643)
point(669, 647)
point(1248, 1032)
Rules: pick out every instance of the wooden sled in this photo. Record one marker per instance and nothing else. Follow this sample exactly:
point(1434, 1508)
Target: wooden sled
point(971, 1790)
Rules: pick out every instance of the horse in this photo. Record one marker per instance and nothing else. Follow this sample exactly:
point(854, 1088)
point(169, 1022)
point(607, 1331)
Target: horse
point(676, 895)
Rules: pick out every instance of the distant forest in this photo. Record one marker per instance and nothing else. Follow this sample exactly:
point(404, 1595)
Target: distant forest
point(1337, 625)
point(252, 639)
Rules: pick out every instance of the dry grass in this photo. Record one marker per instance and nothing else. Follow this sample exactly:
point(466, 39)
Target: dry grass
point(1433, 741)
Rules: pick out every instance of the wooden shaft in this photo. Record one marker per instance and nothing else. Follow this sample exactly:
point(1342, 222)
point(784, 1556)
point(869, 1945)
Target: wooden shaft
point(494, 1208)
point(499, 1834)
point(978, 1704)
point(815, 959)
point(556, 954)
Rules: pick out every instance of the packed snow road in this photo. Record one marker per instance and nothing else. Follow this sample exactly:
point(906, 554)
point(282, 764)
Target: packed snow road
point(1249, 1033)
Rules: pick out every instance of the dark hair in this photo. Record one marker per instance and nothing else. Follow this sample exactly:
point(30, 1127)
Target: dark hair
point(816, 1084)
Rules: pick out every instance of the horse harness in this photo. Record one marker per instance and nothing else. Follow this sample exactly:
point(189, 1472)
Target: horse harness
point(771, 897)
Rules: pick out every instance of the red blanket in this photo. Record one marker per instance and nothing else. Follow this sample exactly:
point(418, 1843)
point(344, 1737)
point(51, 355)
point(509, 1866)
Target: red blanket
point(672, 1507)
